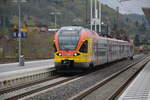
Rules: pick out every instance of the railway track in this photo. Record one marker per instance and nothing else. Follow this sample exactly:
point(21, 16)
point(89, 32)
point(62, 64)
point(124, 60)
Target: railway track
point(35, 87)
point(22, 91)
point(84, 94)
point(16, 92)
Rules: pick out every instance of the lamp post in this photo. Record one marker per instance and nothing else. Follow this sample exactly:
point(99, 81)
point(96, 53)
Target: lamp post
point(55, 15)
point(96, 15)
point(19, 34)
point(77, 21)
point(100, 16)
point(21, 59)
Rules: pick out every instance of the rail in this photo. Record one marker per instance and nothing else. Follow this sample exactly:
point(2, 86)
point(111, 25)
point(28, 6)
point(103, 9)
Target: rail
point(88, 91)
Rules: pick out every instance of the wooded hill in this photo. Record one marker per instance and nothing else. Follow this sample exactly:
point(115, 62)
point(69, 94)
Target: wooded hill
point(72, 12)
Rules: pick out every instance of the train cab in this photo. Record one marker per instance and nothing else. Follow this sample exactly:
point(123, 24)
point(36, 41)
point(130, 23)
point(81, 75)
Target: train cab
point(72, 48)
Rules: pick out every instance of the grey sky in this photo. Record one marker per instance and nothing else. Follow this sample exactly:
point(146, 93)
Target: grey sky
point(132, 6)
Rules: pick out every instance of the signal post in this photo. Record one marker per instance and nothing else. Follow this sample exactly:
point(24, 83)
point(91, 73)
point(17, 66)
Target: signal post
point(96, 16)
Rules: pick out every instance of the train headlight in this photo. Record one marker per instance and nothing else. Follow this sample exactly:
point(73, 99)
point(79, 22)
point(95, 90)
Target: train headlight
point(59, 54)
point(76, 54)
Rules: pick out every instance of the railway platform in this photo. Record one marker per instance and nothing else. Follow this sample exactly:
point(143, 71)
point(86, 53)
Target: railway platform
point(12, 73)
point(29, 64)
point(139, 89)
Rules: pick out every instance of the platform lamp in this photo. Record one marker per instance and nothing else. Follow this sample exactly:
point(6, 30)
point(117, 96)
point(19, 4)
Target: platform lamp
point(55, 15)
point(21, 58)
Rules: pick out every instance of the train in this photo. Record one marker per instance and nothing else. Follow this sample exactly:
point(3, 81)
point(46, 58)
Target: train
point(78, 47)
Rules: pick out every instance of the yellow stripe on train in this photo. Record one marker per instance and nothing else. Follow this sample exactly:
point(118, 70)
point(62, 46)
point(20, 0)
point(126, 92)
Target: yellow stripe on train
point(81, 58)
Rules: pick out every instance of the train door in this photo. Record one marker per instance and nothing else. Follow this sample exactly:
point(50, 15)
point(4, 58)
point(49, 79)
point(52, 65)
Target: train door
point(103, 51)
point(106, 53)
point(94, 52)
point(107, 43)
point(123, 50)
point(97, 52)
point(116, 50)
point(115, 53)
point(112, 46)
point(90, 49)
point(109, 51)
point(126, 52)
point(120, 50)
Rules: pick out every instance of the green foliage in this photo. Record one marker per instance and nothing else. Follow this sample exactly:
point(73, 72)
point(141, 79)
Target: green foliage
point(35, 13)
point(4, 31)
point(146, 47)
point(31, 21)
point(14, 20)
point(1, 52)
point(37, 45)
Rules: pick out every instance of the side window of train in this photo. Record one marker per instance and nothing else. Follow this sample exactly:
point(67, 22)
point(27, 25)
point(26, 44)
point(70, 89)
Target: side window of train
point(84, 47)
point(55, 50)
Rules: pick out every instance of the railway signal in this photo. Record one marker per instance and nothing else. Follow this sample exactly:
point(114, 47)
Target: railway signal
point(16, 32)
point(24, 31)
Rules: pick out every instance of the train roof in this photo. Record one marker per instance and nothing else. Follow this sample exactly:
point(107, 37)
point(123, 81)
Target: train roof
point(112, 39)
point(79, 28)
point(72, 28)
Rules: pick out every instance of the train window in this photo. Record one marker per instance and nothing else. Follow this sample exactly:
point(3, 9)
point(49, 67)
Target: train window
point(102, 51)
point(68, 39)
point(84, 47)
point(55, 50)
point(120, 50)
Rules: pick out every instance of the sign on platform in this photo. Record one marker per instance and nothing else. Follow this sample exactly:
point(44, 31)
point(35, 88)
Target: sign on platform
point(16, 35)
point(23, 34)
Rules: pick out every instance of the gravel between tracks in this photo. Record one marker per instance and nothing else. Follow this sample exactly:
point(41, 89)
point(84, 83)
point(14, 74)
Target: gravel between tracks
point(68, 90)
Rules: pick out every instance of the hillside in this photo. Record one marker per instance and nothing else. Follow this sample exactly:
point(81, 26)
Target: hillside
point(39, 12)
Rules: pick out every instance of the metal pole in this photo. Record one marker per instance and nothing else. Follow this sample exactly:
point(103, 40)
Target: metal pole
point(117, 17)
point(55, 20)
point(91, 13)
point(95, 14)
point(86, 19)
point(19, 35)
point(99, 16)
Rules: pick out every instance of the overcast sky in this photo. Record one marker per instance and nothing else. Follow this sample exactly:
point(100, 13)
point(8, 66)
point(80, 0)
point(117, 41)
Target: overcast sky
point(131, 6)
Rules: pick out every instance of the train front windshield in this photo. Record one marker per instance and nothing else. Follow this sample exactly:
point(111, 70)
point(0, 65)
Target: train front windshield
point(68, 39)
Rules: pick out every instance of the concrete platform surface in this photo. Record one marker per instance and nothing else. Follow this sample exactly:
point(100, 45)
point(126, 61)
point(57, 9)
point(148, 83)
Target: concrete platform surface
point(30, 64)
point(34, 64)
point(139, 89)
point(11, 70)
